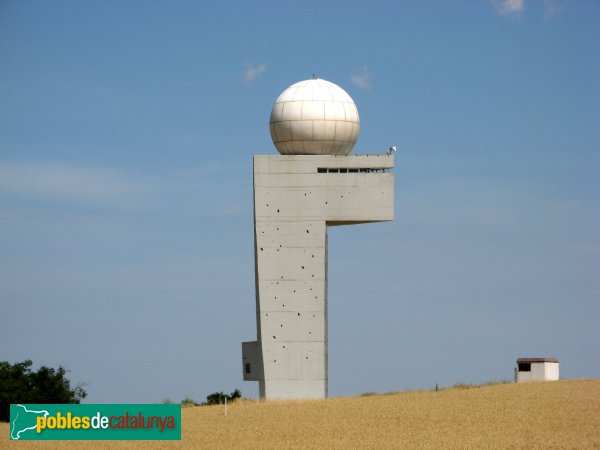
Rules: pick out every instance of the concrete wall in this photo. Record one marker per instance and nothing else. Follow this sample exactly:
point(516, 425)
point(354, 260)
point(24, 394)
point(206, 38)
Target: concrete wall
point(252, 361)
point(295, 199)
point(551, 372)
point(540, 371)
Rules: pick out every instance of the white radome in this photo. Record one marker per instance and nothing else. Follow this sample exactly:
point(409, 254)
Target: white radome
point(314, 117)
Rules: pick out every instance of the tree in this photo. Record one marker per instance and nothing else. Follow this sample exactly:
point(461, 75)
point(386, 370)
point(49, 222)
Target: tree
point(218, 398)
point(19, 384)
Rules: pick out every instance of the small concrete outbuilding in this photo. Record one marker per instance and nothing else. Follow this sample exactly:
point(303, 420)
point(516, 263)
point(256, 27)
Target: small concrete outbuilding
point(536, 369)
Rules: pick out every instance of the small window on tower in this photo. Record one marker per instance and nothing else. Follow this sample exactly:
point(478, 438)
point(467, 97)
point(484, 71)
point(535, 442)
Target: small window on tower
point(247, 367)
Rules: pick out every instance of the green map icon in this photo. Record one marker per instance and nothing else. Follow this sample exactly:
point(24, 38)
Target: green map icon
point(24, 419)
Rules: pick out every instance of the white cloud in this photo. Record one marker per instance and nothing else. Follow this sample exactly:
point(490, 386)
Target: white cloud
point(68, 182)
point(253, 72)
point(512, 8)
point(362, 78)
point(550, 9)
point(193, 191)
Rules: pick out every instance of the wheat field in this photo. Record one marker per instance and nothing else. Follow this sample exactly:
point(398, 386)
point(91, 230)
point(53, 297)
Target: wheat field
point(546, 415)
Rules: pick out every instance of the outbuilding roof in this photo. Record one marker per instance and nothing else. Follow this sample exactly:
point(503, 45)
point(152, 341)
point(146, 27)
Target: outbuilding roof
point(537, 360)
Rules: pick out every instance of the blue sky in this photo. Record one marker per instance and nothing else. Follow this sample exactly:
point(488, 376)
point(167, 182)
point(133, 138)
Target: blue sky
point(127, 131)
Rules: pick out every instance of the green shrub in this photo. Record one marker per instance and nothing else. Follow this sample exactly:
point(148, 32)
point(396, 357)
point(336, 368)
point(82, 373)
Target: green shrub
point(19, 384)
point(218, 398)
point(186, 402)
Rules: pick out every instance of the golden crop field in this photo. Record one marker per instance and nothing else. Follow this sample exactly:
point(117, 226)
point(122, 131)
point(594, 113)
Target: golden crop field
point(546, 415)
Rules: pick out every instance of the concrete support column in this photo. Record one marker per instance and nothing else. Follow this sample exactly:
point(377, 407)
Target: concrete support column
point(295, 199)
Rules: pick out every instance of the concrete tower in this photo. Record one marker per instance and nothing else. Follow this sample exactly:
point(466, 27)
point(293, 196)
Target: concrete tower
point(313, 185)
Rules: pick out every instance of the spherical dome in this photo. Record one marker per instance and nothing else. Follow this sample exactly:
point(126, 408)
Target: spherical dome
point(314, 117)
